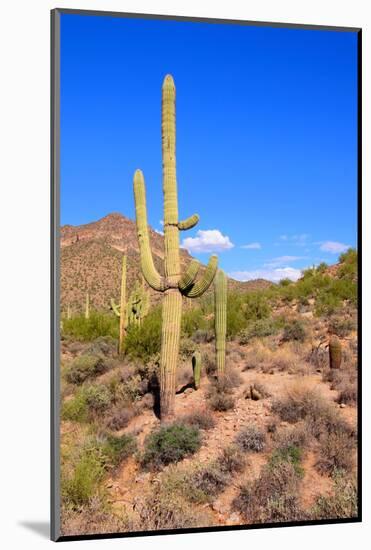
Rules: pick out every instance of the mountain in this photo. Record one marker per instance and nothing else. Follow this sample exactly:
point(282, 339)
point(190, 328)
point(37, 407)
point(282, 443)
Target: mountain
point(91, 257)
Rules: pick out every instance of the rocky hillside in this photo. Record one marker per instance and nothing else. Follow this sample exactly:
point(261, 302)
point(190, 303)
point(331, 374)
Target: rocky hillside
point(91, 260)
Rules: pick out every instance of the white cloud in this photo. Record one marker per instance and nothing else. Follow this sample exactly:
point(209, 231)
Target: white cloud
point(274, 275)
point(299, 240)
point(159, 231)
point(252, 246)
point(333, 247)
point(282, 260)
point(210, 240)
point(162, 222)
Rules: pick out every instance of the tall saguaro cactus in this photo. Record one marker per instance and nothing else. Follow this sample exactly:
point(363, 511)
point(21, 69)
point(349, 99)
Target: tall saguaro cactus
point(220, 301)
point(173, 284)
point(121, 312)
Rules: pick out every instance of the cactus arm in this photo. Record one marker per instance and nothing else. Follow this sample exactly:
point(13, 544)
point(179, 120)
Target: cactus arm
point(149, 271)
point(115, 308)
point(189, 222)
point(189, 275)
point(203, 284)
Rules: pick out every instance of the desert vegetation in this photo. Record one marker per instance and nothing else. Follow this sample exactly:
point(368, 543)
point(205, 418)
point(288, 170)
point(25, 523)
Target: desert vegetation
point(208, 405)
point(273, 439)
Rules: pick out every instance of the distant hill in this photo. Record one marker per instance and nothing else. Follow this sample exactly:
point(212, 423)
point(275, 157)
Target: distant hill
point(91, 256)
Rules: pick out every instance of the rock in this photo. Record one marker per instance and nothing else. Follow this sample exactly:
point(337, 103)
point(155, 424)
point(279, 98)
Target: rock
point(342, 405)
point(188, 391)
point(255, 395)
point(234, 518)
point(142, 478)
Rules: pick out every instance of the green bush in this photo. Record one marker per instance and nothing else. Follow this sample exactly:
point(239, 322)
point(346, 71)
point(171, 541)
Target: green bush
point(84, 481)
point(98, 324)
point(258, 329)
point(98, 397)
point(193, 320)
point(84, 367)
point(290, 453)
point(76, 409)
point(294, 331)
point(116, 449)
point(144, 341)
point(170, 444)
point(256, 306)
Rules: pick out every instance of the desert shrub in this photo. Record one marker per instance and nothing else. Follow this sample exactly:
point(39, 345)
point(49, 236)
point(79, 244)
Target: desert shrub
point(336, 451)
point(348, 393)
point(251, 438)
point(98, 324)
point(256, 306)
point(258, 329)
point(209, 361)
point(104, 345)
point(207, 482)
point(296, 436)
point(232, 378)
point(116, 449)
point(288, 453)
point(294, 331)
point(202, 336)
point(119, 417)
point(192, 321)
point(272, 497)
point(348, 264)
point(94, 517)
point(144, 341)
point(257, 390)
point(162, 508)
point(170, 444)
point(299, 402)
point(342, 504)
point(220, 402)
point(84, 367)
point(187, 347)
point(231, 460)
point(98, 397)
point(75, 409)
point(200, 418)
point(341, 327)
point(83, 483)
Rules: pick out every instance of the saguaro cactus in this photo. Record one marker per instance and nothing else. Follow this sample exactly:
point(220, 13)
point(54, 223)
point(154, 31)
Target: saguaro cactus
point(196, 365)
point(335, 353)
point(87, 306)
point(138, 304)
point(220, 304)
point(173, 284)
point(121, 312)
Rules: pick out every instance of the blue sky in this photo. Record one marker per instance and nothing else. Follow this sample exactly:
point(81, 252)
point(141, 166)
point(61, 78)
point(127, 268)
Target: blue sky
point(266, 135)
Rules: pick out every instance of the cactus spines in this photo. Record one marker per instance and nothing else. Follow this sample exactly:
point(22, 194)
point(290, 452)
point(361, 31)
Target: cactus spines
point(220, 301)
point(173, 284)
point(87, 306)
point(335, 352)
point(121, 311)
point(196, 365)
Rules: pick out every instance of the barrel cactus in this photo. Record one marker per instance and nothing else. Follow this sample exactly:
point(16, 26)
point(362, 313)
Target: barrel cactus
point(173, 284)
point(335, 352)
point(121, 311)
point(220, 302)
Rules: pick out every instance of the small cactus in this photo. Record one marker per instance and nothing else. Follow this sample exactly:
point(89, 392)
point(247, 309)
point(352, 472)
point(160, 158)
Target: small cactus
point(121, 312)
point(138, 305)
point(335, 352)
point(197, 366)
point(87, 306)
point(220, 304)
